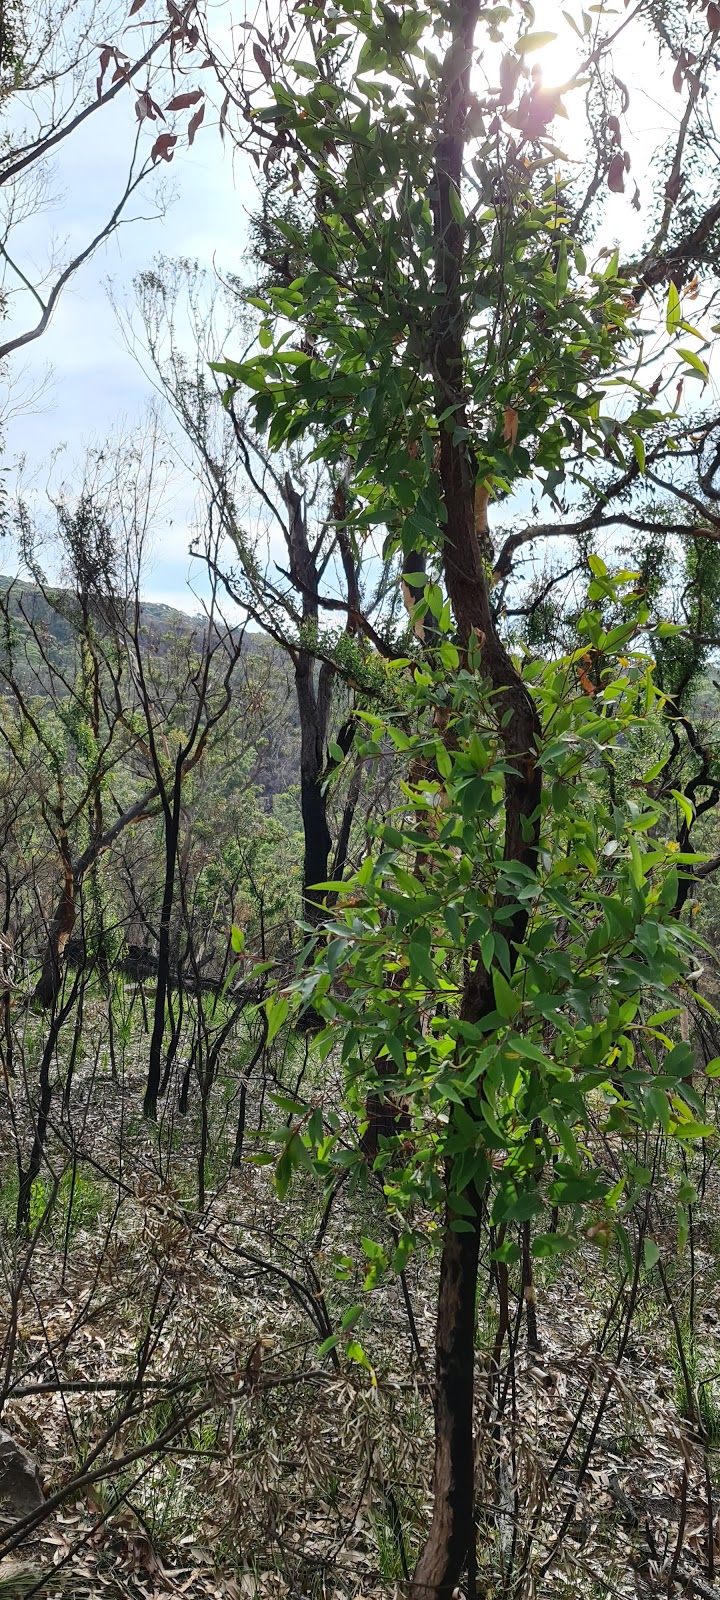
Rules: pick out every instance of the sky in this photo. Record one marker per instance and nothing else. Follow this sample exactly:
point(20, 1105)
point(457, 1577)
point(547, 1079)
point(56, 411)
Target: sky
point(88, 385)
point(92, 386)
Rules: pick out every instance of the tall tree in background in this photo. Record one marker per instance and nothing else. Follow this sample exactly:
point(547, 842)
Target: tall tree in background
point(83, 713)
point(277, 538)
point(449, 341)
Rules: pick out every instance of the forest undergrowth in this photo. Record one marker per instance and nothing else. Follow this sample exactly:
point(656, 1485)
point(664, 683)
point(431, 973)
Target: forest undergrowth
point(161, 1363)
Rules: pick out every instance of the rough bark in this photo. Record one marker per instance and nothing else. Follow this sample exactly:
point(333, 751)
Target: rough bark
point(313, 687)
point(317, 842)
point(447, 1546)
point(450, 1540)
point(47, 987)
point(63, 921)
point(172, 828)
point(28, 1175)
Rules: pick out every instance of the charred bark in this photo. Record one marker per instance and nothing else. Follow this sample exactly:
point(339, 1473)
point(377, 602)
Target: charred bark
point(47, 987)
point(313, 705)
point(63, 921)
point(450, 1542)
point(28, 1175)
point(172, 828)
point(313, 687)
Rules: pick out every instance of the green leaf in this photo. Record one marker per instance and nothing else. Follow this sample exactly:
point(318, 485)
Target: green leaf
point(456, 205)
point(328, 1345)
point(673, 313)
point(562, 272)
point(506, 1000)
point(678, 1062)
point(421, 963)
point(507, 1251)
point(639, 449)
point(552, 1244)
point(284, 1172)
point(686, 806)
point(237, 940)
point(530, 42)
point(276, 1012)
point(712, 1069)
point(356, 1353)
point(696, 362)
point(292, 1108)
point(651, 1254)
point(444, 761)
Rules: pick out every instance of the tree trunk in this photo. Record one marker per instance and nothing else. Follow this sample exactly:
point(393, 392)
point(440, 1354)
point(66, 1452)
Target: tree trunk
point(451, 1532)
point(316, 834)
point(27, 1175)
point(172, 827)
point(60, 929)
point(47, 987)
point(451, 1537)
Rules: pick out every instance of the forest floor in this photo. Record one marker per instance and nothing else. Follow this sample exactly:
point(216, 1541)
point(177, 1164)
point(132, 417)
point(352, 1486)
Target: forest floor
point(162, 1367)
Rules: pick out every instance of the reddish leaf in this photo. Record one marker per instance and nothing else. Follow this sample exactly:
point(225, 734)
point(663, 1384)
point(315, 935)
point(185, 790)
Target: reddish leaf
point(614, 128)
point(121, 72)
point(105, 55)
point(262, 62)
point(678, 79)
point(180, 102)
point(194, 123)
point(162, 149)
point(713, 17)
point(137, 5)
point(510, 426)
point(616, 175)
point(145, 107)
point(626, 159)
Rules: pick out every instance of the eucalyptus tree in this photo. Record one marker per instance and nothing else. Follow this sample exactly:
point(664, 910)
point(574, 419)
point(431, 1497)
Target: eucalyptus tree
point(277, 531)
point(466, 330)
point(104, 722)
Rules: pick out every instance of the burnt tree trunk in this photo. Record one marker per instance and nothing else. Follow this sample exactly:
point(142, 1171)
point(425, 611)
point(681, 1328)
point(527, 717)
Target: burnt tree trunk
point(171, 813)
point(63, 921)
point(28, 1175)
point(313, 699)
point(450, 1541)
point(47, 987)
point(313, 687)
